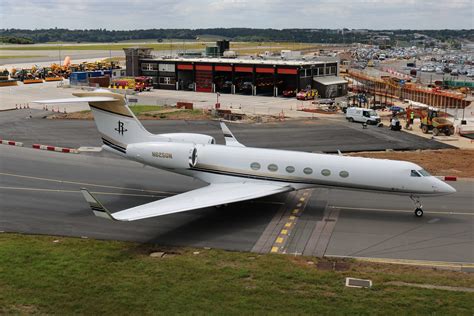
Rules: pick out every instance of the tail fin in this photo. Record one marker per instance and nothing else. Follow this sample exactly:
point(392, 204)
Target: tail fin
point(115, 121)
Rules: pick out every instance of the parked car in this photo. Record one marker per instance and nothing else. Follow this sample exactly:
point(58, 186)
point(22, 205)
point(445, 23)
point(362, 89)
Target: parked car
point(396, 109)
point(246, 86)
point(289, 93)
point(326, 101)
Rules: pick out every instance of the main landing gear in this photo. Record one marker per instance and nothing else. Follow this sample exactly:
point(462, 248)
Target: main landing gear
point(418, 206)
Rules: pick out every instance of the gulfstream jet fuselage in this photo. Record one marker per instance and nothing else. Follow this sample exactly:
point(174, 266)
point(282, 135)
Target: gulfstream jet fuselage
point(235, 172)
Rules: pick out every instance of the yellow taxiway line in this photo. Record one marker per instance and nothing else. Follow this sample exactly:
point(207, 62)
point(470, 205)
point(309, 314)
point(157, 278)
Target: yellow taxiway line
point(282, 237)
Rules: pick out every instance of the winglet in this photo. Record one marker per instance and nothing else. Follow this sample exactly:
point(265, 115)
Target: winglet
point(230, 139)
point(97, 207)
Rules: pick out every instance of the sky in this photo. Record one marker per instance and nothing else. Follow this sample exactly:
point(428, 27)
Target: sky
point(279, 14)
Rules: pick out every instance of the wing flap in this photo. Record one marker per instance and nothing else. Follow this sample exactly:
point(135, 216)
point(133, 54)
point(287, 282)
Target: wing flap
point(212, 195)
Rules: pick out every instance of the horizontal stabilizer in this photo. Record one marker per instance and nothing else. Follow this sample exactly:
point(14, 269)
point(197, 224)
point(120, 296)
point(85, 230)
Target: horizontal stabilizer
point(76, 100)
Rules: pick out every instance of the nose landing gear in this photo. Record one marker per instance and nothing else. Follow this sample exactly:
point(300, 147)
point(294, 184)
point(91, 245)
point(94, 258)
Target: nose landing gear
point(418, 206)
point(418, 212)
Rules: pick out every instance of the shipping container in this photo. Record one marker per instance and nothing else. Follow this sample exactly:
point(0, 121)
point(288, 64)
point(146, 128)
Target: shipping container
point(78, 78)
point(97, 73)
point(103, 81)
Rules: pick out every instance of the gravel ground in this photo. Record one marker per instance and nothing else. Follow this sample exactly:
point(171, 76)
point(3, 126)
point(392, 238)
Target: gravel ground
point(452, 162)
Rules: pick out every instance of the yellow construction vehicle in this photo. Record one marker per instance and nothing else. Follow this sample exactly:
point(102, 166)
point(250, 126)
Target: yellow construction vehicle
point(431, 121)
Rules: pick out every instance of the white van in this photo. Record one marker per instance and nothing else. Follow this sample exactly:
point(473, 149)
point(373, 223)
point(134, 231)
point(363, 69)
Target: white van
point(362, 115)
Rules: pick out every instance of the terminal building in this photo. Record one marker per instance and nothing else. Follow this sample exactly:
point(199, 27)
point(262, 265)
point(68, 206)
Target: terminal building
point(237, 75)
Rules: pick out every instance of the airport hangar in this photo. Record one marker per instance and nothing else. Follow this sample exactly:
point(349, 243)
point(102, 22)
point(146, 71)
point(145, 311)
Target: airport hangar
point(237, 75)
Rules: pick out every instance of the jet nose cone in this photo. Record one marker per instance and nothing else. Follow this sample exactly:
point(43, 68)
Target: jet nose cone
point(444, 188)
point(449, 189)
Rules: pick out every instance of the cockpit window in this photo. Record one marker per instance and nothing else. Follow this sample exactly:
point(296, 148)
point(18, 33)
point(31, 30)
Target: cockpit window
point(424, 173)
point(415, 173)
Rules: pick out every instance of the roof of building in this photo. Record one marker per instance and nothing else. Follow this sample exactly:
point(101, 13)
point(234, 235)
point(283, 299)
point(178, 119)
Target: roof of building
point(329, 80)
point(244, 61)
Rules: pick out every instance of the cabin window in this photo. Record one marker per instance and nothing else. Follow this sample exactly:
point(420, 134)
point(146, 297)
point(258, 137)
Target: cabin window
point(272, 167)
point(424, 173)
point(326, 172)
point(343, 174)
point(255, 166)
point(415, 173)
point(308, 170)
point(290, 169)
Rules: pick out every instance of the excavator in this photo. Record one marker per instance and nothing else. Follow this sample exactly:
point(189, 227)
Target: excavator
point(431, 121)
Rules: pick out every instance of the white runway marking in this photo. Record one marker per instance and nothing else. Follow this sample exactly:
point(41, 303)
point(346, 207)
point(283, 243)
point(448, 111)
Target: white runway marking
point(78, 191)
point(448, 264)
point(111, 193)
point(396, 211)
point(82, 183)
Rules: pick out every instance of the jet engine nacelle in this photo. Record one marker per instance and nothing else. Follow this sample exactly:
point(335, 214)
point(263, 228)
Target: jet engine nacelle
point(167, 155)
point(190, 138)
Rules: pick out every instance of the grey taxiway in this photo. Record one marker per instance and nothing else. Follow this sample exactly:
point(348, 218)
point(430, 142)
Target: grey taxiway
point(39, 194)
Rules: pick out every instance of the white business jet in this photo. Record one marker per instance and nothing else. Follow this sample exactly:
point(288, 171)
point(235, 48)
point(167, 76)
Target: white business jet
point(235, 172)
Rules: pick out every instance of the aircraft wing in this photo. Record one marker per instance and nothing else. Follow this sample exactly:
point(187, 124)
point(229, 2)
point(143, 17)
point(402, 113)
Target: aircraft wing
point(211, 195)
point(76, 100)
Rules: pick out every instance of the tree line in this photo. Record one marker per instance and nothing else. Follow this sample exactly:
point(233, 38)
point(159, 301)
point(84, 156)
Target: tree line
point(15, 40)
point(343, 36)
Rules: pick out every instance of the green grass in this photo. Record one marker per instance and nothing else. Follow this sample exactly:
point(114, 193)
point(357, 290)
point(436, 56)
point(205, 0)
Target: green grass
point(115, 59)
point(164, 46)
point(148, 110)
point(139, 109)
point(78, 276)
point(18, 56)
point(173, 113)
point(161, 46)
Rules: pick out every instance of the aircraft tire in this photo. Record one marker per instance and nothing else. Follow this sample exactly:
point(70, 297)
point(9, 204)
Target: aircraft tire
point(418, 212)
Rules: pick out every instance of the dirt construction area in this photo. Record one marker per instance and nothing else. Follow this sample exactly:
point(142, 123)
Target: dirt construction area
point(448, 162)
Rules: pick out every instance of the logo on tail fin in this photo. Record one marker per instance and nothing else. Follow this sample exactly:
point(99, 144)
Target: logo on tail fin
point(121, 129)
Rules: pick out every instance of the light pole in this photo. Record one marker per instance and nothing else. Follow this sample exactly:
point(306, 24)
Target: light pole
point(133, 63)
point(217, 100)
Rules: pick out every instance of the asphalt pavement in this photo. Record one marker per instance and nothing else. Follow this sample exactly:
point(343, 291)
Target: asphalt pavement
point(39, 194)
point(316, 135)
